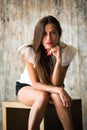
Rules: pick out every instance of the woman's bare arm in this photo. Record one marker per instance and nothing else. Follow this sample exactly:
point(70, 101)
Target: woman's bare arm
point(36, 83)
point(59, 72)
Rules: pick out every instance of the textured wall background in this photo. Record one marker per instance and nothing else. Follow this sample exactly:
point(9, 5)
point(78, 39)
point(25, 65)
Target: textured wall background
point(17, 22)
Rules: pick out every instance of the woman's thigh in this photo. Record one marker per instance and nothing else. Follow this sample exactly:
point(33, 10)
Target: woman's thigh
point(28, 95)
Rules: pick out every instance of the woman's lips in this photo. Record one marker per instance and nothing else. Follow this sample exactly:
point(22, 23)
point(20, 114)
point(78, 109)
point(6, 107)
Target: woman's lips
point(49, 43)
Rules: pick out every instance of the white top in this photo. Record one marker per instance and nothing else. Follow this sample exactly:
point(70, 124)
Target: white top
point(68, 53)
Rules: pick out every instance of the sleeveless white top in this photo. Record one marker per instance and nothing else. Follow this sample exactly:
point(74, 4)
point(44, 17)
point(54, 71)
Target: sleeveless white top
point(68, 53)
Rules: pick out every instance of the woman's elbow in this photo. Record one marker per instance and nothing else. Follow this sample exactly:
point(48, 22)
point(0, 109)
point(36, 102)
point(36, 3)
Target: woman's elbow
point(56, 83)
point(34, 85)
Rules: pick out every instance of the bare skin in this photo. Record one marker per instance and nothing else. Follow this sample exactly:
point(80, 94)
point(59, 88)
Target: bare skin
point(40, 94)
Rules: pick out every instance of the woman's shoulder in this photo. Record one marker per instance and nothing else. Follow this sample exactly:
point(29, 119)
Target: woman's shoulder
point(68, 48)
point(68, 53)
point(27, 52)
point(25, 48)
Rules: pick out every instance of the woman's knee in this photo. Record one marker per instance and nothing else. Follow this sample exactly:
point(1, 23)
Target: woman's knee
point(43, 96)
point(42, 100)
point(56, 98)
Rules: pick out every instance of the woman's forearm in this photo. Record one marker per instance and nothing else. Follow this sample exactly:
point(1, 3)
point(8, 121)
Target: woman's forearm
point(44, 87)
point(57, 75)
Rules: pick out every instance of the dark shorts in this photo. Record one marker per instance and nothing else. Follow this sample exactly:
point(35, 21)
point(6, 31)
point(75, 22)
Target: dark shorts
point(19, 86)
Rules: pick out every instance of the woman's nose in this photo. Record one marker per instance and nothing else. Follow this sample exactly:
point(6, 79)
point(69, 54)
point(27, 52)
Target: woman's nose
point(48, 37)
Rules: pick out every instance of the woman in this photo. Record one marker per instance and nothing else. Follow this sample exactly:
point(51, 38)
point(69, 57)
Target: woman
point(46, 63)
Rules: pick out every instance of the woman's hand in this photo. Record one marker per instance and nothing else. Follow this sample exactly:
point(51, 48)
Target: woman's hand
point(65, 98)
point(56, 52)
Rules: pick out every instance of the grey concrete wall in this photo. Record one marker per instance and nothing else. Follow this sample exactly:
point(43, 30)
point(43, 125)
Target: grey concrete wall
point(17, 22)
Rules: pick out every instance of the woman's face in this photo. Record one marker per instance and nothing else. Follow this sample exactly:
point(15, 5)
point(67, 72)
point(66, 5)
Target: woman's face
point(50, 36)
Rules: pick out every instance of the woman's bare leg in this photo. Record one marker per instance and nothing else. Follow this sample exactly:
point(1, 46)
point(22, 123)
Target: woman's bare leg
point(38, 110)
point(38, 100)
point(64, 114)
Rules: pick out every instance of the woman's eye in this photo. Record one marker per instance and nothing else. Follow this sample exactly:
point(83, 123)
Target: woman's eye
point(53, 32)
point(44, 33)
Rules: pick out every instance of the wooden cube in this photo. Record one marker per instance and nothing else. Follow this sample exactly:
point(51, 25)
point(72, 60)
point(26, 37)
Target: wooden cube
point(15, 116)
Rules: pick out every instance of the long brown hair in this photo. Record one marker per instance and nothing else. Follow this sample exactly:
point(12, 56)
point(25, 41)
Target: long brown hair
point(42, 61)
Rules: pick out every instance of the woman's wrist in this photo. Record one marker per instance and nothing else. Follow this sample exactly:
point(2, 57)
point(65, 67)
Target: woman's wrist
point(58, 61)
point(58, 64)
point(56, 89)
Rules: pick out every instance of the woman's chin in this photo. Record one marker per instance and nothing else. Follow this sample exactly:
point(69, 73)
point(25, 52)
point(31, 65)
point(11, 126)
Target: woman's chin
point(48, 48)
